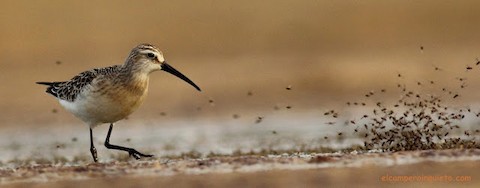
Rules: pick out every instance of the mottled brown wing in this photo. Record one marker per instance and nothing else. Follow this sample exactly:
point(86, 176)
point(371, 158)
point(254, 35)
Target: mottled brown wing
point(69, 90)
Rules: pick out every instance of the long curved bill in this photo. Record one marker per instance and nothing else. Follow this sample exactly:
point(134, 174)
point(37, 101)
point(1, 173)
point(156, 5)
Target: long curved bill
point(167, 68)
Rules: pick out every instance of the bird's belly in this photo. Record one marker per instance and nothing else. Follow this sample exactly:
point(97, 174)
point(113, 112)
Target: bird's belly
point(96, 109)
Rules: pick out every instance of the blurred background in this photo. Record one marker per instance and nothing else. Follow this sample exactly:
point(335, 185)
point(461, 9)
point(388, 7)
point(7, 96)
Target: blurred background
point(243, 55)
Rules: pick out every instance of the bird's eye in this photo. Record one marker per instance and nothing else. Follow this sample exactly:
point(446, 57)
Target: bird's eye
point(151, 55)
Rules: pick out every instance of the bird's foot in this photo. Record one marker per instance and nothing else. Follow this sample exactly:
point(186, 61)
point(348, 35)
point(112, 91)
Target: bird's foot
point(94, 154)
point(136, 154)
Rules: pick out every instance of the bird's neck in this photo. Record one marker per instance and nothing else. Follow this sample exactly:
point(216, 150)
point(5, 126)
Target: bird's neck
point(137, 81)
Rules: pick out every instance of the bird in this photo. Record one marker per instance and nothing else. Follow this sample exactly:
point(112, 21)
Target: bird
point(107, 95)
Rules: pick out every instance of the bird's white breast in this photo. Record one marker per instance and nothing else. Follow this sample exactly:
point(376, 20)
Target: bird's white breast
point(96, 108)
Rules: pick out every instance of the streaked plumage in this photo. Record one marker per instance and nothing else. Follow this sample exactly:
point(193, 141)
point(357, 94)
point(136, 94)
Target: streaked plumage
point(68, 90)
point(107, 95)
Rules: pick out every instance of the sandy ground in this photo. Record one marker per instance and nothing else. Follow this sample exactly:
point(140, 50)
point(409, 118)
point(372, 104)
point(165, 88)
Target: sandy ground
point(447, 168)
point(197, 154)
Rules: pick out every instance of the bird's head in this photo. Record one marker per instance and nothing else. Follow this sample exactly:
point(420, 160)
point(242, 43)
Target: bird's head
point(146, 58)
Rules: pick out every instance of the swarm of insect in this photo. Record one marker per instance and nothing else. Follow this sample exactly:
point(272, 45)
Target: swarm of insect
point(417, 121)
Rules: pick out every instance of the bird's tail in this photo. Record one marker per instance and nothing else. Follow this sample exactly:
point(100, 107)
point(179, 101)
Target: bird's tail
point(51, 87)
point(46, 83)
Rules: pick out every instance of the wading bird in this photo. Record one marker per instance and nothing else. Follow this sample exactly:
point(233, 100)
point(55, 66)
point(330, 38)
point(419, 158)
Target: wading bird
point(107, 95)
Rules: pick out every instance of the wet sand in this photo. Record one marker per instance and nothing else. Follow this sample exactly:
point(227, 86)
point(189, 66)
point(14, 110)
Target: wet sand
point(447, 168)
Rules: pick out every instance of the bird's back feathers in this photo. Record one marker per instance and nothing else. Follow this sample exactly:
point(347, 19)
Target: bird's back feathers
point(69, 90)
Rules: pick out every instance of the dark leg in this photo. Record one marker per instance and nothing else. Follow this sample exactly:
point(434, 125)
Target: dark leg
point(92, 148)
point(134, 153)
